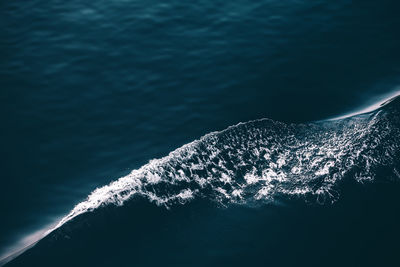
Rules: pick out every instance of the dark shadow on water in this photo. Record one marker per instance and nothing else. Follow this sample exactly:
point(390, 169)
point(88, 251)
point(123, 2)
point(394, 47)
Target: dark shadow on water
point(361, 229)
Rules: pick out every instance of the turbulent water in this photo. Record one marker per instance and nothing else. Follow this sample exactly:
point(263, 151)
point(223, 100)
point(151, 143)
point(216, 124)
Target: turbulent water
point(261, 160)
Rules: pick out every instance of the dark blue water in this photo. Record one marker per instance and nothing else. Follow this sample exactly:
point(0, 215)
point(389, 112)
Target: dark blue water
point(93, 90)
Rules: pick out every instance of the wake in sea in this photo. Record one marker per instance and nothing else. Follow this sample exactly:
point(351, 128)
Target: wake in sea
point(262, 161)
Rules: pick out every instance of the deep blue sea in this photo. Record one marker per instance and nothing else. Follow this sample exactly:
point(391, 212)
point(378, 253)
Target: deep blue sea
point(199, 133)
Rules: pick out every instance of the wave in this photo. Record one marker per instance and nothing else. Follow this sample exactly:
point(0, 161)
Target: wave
point(263, 160)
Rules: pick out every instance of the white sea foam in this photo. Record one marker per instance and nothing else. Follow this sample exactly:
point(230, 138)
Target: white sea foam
point(254, 161)
point(258, 161)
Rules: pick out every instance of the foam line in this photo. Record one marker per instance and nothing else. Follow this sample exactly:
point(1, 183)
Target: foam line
point(256, 161)
point(378, 103)
point(261, 161)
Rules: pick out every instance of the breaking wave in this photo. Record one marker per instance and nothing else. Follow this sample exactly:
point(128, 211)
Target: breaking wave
point(255, 163)
point(263, 160)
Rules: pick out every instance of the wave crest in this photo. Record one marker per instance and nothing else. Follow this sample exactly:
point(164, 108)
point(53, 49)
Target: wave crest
point(261, 160)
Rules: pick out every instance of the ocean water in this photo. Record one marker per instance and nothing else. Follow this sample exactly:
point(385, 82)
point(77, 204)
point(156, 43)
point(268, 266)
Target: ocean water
point(233, 99)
